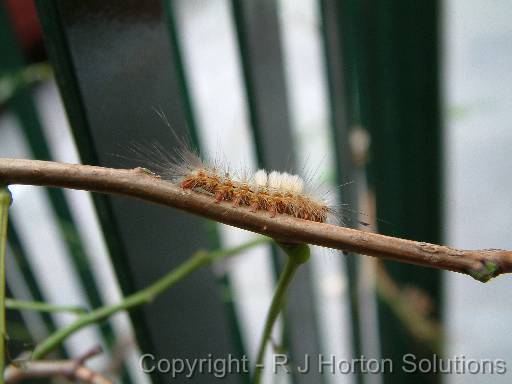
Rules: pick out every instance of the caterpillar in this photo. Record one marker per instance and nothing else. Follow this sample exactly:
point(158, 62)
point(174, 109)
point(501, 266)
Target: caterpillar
point(278, 193)
point(275, 192)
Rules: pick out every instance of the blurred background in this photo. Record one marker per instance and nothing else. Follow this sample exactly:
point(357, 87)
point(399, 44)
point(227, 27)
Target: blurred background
point(400, 108)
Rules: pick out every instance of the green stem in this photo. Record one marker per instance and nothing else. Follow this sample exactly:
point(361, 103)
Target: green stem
point(297, 255)
point(143, 296)
point(5, 202)
point(42, 307)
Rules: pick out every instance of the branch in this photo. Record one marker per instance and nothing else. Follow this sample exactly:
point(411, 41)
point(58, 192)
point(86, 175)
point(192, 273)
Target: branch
point(5, 202)
point(297, 255)
point(415, 320)
point(143, 296)
point(42, 307)
point(480, 264)
point(71, 369)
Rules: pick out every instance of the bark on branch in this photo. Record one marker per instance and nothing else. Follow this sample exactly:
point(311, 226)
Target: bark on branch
point(139, 183)
point(74, 370)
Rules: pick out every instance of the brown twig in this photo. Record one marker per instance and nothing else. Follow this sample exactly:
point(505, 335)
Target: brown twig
point(480, 264)
point(415, 320)
point(70, 369)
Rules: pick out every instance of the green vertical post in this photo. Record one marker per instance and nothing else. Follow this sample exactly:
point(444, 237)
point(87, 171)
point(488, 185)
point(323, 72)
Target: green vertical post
point(402, 76)
point(23, 105)
point(212, 228)
point(114, 64)
point(261, 58)
point(343, 65)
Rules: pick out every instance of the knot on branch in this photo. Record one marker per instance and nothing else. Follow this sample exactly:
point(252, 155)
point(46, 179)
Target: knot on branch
point(485, 271)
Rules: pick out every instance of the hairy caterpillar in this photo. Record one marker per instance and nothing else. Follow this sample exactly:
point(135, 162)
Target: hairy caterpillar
point(275, 192)
point(271, 191)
